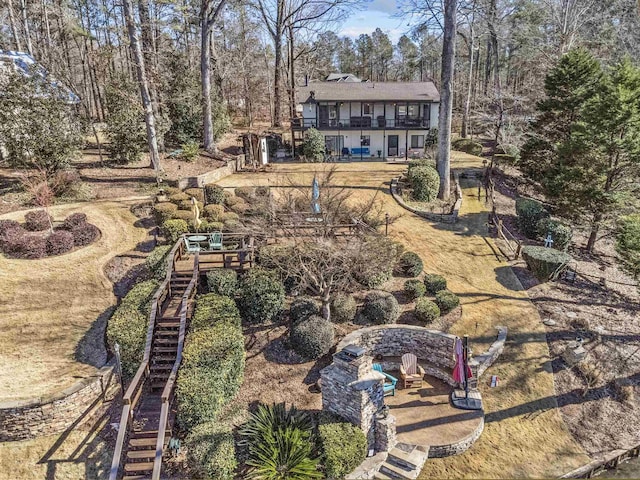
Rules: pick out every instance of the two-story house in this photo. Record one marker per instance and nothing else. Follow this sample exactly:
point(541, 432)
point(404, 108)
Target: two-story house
point(368, 119)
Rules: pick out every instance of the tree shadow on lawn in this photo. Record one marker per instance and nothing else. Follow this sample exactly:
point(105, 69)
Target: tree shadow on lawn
point(91, 349)
point(507, 278)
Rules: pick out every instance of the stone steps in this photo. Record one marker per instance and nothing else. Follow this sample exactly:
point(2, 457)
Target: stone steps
point(402, 463)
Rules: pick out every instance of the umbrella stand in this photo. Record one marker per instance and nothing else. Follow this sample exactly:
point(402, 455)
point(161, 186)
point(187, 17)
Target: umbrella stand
point(466, 400)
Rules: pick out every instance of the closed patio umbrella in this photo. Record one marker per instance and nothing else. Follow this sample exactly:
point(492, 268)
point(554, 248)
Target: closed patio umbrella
point(460, 368)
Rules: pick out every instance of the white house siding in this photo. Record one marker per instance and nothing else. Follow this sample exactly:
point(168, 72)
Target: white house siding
point(379, 140)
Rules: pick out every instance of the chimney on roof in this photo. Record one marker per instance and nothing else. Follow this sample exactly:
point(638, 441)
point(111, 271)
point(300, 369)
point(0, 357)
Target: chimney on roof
point(306, 80)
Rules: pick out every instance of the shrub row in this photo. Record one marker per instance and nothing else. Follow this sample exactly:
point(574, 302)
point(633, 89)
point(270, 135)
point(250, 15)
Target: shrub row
point(156, 261)
point(544, 262)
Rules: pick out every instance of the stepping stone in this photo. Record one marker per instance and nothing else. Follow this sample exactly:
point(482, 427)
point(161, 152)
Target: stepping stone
point(571, 315)
point(549, 322)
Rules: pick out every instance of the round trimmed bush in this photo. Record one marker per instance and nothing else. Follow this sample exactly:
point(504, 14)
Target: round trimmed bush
point(6, 225)
point(560, 233)
point(179, 197)
point(302, 308)
point(425, 183)
point(380, 308)
point(373, 278)
point(213, 194)
point(261, 296)
point(230, 225)
point(230, 199)
point(163, 211)
point(312, 337)
point(410, 264)
point(32, 247)
point(245, 193)
point(467, 145)
point(186, 215)
point(37, 221)
point(11, 238)
point(211, 451)
point(222, 281)
point(187, 205)
point(212, 309)
point(240, 207)
point(229, 217)
point(434, 283)
point(544, 262)
point(172, 229)
point(426, 311)
point(446, 301)
point(343, 308)
point(213, 212)
point(343, 445)
point(59, 242)
point(529, 212)
point(74, 220)
point(195, 192)
point(207, 227)
point(85, 234)
point(414, 288)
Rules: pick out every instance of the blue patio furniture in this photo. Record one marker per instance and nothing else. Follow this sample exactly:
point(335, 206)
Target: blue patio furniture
point(192, 247)
point(215, 241)
point(389, 388)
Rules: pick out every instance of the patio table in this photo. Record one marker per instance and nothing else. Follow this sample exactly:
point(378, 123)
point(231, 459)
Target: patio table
point(197, 238)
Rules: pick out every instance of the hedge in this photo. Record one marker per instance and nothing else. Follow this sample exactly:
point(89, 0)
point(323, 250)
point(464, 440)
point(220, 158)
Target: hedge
point(446, 301)
point(379, 308)
point(434, 283)
point(302, 308)
point(156, 261)
point(211, 451)
point(467, 145)
point(342, 307)
point(128, 325)
point(414, 288)
point(59, 242)
point(212, 309)
point(222, 281)
point(426, 311)
point(560, 233)
point(410, 264)
point(312, 337)
point(544, 262)
point(172, 229)
point(529, 212)
point(425, 183)
point(343, 445)
point(213, 194)
point(37, 221)
point(261, 296)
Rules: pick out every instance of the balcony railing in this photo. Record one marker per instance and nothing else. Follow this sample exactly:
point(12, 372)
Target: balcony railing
point(357, 123)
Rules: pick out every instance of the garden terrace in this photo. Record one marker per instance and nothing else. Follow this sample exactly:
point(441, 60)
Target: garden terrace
point(237, 253)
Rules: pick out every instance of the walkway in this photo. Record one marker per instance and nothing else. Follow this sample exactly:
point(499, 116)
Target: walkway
point(524, 434)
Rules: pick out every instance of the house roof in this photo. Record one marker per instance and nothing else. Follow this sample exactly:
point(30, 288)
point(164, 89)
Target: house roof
point(342, 77)
point(368, 91)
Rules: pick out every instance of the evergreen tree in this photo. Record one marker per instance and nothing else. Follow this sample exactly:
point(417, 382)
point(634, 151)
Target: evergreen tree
point(628, 244)
point(125, 127)
point(313, 147)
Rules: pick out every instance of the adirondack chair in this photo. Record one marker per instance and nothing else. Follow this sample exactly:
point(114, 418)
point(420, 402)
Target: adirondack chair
point(215, 241)
point(191, 247)
point(410, 372)
point(389, 388)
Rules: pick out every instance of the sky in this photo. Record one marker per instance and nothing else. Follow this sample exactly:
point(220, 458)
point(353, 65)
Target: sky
point(375, 13)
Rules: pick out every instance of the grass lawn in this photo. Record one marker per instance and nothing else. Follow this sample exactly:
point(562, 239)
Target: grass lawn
point(524, 434)
point(51, 309)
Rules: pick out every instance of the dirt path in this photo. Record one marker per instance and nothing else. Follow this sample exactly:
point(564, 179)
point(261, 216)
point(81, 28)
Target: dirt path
point(53, 310)
point(524, 434)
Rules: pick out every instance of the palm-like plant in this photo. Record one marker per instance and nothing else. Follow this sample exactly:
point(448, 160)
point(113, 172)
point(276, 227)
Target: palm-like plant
point(280, 445)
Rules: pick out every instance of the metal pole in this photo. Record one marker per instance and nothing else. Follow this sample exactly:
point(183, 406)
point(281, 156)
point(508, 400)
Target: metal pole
point(465, 344)
point(386, 226)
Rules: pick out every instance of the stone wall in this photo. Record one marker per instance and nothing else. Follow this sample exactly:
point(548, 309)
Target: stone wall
point(435, 350)
point(213, 176)
point(486, 359)
point(21, 420)
point(439, 451)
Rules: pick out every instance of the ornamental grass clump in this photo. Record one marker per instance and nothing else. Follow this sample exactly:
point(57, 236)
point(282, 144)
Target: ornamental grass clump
point(414, 288)
point(312, 337)
point(343, 308)
point(426, 311)
point(446, 301)
point(222, 281)
point(343, 445)
point(434, 283)
point(410, 264)
point(379, 308)
point(544, 262)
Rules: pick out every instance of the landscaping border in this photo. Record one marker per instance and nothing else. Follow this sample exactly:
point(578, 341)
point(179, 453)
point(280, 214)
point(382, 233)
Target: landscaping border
point(200, 181)
point(435, 217)
point(51, 414)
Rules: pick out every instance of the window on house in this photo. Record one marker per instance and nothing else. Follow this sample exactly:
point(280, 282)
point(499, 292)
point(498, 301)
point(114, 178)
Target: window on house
point(417, 141)
point(402, 110)
point(413, 111)
point(365, 140)
point(366, 109)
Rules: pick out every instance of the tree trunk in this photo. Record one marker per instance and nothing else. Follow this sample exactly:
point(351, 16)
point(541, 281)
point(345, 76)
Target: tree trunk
point(326, 310)
point(595, 228)
point(467, 102)
point(14, 28)
point(205, 74)
point(136, 54)
point(292, 92)
point(25, 26)
point(446, 98)
point(277, 94)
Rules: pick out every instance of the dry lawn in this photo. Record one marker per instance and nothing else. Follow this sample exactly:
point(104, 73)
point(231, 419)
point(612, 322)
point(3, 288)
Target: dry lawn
point(52, 310)
point(524, 434)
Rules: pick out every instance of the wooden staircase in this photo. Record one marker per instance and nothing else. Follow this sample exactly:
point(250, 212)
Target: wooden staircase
point(147, 414)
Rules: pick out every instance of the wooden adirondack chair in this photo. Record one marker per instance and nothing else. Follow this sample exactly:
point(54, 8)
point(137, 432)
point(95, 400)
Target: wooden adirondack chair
point(389, 388)
point(215, 241)
point(410, 372)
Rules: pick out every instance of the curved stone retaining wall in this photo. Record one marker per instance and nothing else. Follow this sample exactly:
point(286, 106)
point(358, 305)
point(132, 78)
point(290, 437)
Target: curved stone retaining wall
point(439, 451)
point(451, 217)
point(435, 350)
point(25, 419)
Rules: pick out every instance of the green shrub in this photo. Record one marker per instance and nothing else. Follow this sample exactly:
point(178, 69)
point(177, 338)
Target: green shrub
point(425, 183)
point(467, 145)
point(410, 264)
point(343, 445)
point(188, 205)
point(222, 281)
point(179, 197)
point(544, 262)
point(229, 217)
point(312, 337)
point(302, 308)
point(213, 212)
point(379, 308)
point(426, 311)
point(172, 229)
point(446, 301)
point(245, 193)
point(240, 207)
point(211, 451)
point(211, 373)
point(208, 227)
point(230, 226)
point(186, 215)
point(213, 194)
point(128, 325)
point(313, 146)
point(373, 278)
point(529, 212)
point(164, 211)
point(190, 151)
point(434, 283)
point(261, 296)
point(421, 162)
point(230, 199)
point(504, 159)
point(211, 309)
point(560, 233)
point(414, 288)
point(343, 308)
point(628, 244)
point(156, 261)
